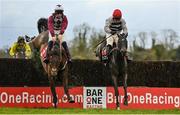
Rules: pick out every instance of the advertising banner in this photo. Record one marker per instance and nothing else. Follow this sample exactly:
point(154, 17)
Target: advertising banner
point(146, 98)
point(38, 97)
point(91, 97)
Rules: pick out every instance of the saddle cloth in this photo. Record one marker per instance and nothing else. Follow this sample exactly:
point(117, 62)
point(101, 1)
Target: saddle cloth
point(43, 53)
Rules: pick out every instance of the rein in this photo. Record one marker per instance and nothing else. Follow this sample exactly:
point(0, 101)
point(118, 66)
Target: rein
point(64, 66)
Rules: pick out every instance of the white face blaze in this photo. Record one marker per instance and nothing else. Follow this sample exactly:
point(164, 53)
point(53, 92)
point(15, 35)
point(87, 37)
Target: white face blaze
point(54, 71)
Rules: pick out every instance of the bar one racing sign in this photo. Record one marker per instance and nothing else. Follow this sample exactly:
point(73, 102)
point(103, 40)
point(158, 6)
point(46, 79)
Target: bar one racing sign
point(91, 97)
point(94, 97)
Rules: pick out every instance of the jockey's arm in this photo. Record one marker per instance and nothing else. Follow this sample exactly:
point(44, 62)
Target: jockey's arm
point(63, 28)
point(50, 26)
point(13, 50)
point(28, 51)
point(124, 29)
point(106, 27)
point(64, 25)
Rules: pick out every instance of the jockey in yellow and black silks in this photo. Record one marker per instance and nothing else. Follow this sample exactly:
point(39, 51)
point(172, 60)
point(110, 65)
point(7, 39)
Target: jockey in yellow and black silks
point(20, 46)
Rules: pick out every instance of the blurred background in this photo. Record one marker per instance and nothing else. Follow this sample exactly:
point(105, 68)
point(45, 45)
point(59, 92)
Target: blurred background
point(153, 25)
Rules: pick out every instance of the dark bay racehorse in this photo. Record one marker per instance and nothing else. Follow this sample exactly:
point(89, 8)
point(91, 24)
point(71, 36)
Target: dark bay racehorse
point(57, 66)
point(118, 68)
point(117, 64)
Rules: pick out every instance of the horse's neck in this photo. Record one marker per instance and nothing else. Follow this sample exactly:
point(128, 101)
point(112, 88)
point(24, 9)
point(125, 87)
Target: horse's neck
point(40, 40)
point(31, 45)
point(117, 55)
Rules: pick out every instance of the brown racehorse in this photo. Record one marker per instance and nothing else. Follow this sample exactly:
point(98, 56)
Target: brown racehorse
point(57, 66)
point(118, 66)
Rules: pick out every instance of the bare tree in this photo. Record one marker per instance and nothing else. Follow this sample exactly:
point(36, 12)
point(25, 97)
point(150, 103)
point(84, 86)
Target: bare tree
point(143, 37)
point(170, 37)
point(79, 47)
point(153, 37)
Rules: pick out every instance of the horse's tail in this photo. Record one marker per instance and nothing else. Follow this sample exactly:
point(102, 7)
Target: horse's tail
point(42, 25)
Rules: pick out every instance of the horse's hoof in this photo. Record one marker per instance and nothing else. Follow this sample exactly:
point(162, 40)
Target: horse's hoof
point(118, 108)
point(126, 103)
point(71, 101)
point(54, 105)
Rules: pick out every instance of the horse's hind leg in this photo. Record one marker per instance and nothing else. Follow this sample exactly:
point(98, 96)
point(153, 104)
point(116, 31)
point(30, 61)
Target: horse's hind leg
point(53, 91)
point(125, 83)
point(65, 84)
point(116, 91)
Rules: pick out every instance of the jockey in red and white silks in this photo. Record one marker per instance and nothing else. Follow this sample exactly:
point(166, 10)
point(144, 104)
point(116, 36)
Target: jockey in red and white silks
point(57, 24)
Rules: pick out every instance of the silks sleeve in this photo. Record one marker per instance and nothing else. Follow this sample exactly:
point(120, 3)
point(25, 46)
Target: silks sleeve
point(13, 49)
point(28, 50)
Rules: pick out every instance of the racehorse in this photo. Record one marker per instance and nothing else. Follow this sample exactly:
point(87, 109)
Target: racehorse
point(57, 66)
point(117, 64)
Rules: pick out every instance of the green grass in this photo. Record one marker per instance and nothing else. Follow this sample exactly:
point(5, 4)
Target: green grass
point(82, 111)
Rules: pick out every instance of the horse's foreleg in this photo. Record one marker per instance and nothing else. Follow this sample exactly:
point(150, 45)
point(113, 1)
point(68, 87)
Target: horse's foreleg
point(116, 91)
point(125, 82)
point(65, 85)
point(125, 90)
point(53, 91)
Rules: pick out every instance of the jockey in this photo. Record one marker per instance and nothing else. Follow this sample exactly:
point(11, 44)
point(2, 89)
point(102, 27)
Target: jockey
point(115, 28)
point(20, 46)
point(57, 24)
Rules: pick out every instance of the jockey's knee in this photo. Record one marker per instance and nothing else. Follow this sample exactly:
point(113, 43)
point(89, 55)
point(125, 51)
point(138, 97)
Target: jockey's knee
point(109, 46)
point(50, 44)
point(64, 44)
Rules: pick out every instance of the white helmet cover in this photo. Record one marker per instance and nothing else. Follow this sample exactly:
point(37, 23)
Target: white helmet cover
point(59, 7)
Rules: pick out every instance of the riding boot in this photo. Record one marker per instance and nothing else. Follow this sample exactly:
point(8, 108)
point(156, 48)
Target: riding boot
point(49, 47)
point(64, 44)
point(109, 47)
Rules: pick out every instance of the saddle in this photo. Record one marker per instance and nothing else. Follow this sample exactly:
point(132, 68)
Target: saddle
point(102, 52)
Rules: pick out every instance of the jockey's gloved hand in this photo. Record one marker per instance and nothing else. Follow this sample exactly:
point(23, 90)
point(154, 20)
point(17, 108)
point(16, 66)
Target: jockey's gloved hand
point(113, 32)
point(124, 35)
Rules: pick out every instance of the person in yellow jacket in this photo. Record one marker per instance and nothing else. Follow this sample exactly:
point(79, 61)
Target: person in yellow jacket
point(20, 47)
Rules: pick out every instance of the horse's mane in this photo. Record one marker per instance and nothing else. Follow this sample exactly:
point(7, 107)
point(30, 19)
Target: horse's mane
point(42, 25)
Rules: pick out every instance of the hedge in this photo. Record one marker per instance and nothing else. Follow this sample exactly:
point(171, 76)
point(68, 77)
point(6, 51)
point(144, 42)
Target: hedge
point(21, 72)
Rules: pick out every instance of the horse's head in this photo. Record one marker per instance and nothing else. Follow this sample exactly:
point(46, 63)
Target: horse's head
point(122, 43)
point(20, 54)
point(118, 50)
point(55, 59)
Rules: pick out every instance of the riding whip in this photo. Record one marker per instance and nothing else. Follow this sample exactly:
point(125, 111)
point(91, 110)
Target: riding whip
point(102, 41)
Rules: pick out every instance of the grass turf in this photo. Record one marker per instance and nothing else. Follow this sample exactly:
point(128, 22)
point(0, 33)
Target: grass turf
point(82, 111)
